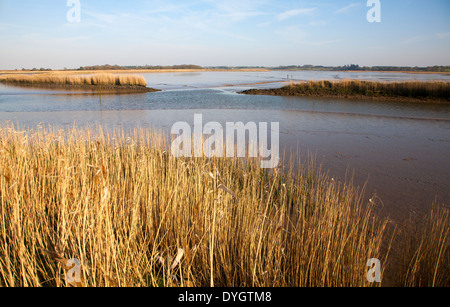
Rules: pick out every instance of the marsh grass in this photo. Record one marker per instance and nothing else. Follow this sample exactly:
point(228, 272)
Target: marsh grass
point(136, 216)
point(425, 258)
point(437, 90)
point(58, 79)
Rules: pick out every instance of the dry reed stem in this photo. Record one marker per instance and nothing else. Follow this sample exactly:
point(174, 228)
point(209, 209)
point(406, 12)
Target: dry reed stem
point(136, 216)
point(93, 79)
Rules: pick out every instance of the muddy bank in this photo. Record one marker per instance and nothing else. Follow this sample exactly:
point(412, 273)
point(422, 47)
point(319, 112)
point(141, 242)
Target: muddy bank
point(284, 92)
point(278, 92)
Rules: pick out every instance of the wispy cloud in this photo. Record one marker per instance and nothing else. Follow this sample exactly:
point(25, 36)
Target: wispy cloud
point(412, 40)
point(317, 23)
point(443, 35)
point(322, 43)
point(45, 40)
point(10, 26)
point(236, 10)
point(291, 13)
point(165, 7)
point(347, 8)
point(104, 18)
point(299, 36)
point(293, 34)
point(239, 16)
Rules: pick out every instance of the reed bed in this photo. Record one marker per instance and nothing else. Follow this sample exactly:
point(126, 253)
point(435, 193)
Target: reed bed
point(94, 79)
point(437, 90)
point(134, 215)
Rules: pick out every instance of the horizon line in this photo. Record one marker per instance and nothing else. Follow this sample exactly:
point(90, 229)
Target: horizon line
point(196, 66)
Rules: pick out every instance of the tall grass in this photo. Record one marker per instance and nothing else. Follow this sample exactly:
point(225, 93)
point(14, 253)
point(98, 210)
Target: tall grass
point(136, 216)
point(417, 89)
point(345, 88)
point(94, 79)
point(424, 260)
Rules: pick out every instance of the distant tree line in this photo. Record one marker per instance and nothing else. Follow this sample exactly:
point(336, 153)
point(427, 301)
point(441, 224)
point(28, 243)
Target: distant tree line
point(149, 67)
point(36, 69)
point(349, 67)
point(419, 69)
point(356, 67)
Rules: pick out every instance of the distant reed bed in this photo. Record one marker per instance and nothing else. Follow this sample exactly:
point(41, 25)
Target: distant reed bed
point(94, 79)
point(350, 88)
point(133, 215)
point(435, 89)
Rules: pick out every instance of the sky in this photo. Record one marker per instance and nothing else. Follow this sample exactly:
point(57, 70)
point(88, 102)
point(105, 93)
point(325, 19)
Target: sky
point(222, 32)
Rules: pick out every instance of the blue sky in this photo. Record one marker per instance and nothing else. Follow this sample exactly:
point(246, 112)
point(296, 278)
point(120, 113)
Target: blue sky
point(224, 32)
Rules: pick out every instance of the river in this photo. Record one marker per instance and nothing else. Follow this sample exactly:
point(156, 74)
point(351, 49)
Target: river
point(400, 149)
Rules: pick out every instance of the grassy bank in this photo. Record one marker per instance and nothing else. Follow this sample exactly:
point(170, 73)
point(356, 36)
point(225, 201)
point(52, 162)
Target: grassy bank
point(436, 91)
point(136, 216)
point(94, 81)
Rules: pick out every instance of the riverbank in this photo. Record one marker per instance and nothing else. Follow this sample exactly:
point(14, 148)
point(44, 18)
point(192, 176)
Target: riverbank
point(414, 91)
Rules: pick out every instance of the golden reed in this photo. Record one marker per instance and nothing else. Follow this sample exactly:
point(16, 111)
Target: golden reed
point(133, 215)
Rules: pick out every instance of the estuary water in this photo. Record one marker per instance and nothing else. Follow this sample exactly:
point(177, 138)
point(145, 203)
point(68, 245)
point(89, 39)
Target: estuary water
point(399, 150)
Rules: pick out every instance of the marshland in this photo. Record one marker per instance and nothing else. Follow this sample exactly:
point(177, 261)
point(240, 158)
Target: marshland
point(113, 197)
point(415, 91)
point(347, 105)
